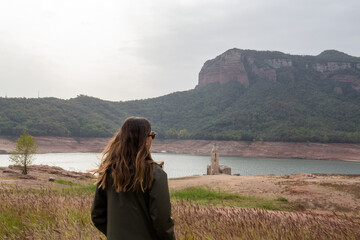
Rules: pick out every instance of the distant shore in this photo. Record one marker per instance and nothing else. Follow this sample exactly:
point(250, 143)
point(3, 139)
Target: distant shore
point(327, 151)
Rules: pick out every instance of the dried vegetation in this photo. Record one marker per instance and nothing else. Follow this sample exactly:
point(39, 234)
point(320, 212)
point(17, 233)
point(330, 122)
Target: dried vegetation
point(64, 213)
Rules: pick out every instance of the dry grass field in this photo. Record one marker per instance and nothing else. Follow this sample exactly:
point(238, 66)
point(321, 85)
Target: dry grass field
point(34, 208)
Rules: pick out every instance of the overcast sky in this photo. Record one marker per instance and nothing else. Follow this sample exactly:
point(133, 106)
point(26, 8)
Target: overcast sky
point(121, 50)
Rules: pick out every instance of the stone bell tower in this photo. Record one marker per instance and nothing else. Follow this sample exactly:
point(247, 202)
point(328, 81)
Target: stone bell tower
point(214, 160)
point(215, 168)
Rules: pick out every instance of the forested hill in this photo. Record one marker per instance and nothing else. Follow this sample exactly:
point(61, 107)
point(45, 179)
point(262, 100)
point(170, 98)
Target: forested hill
point(267, 96)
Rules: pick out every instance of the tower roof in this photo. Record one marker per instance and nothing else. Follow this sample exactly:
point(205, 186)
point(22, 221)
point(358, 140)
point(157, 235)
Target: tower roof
point(214, 149)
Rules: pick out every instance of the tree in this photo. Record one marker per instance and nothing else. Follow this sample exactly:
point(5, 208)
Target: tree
point(171, 133)
point(25, 149)
point(183, 133)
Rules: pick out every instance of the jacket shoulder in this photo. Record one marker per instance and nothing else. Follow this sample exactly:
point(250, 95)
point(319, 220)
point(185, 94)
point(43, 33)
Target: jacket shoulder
point(158, 172)
point(159, 163)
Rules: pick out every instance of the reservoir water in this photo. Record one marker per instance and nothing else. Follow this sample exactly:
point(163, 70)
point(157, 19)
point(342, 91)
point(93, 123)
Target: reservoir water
point(181, 165)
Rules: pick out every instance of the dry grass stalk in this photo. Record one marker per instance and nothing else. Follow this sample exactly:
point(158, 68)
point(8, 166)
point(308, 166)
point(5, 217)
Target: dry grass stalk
point(48, 213)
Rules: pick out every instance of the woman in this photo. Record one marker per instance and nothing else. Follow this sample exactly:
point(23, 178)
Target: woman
point(132, 196)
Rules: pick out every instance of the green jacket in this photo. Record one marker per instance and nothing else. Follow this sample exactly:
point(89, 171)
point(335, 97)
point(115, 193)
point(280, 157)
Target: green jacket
point(134, 216)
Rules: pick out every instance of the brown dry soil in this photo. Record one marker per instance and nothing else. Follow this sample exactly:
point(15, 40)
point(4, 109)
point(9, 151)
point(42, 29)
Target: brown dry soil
point(315, 192)
point(320, 193)
point(39, 175)
point(332, 151)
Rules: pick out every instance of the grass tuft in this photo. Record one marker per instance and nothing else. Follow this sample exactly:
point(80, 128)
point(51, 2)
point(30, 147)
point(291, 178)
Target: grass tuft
point(282, 199)
point(208, 196)
point(65, 182)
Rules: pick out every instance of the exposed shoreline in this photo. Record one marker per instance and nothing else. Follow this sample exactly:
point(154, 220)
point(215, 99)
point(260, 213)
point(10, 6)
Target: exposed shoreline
point(321, 193)
point(321, 151)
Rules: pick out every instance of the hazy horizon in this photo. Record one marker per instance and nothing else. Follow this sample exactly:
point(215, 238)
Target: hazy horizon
point(138, 50)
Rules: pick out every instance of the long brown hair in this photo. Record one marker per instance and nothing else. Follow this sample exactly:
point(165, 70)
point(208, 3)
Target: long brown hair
point(127, 158)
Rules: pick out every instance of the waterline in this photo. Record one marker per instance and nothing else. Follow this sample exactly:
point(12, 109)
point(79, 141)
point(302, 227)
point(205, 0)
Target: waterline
point(182, 165)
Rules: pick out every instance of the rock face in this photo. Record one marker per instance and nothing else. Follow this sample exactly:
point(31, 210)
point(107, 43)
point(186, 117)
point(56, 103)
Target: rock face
point(228, 66)
point(246, 66)
point(330, 67)
point(353, 81)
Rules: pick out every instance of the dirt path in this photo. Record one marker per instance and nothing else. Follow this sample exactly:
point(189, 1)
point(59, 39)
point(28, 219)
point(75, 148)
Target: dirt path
point(333, 151)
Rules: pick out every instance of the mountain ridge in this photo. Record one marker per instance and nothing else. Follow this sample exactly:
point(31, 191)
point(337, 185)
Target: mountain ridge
point(297, 99)
point(245, 65)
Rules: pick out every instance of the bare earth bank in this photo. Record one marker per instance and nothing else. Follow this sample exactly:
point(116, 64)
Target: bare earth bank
point(324, 192)
point(332, 151)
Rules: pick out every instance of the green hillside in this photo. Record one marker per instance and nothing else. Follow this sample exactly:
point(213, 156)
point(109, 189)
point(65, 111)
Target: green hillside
point(300, 106)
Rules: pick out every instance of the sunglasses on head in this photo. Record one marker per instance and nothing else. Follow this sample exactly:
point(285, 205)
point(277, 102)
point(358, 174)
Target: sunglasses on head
point(152, 135)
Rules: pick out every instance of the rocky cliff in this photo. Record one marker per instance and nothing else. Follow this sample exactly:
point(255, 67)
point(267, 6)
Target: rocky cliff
point(246, 66)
